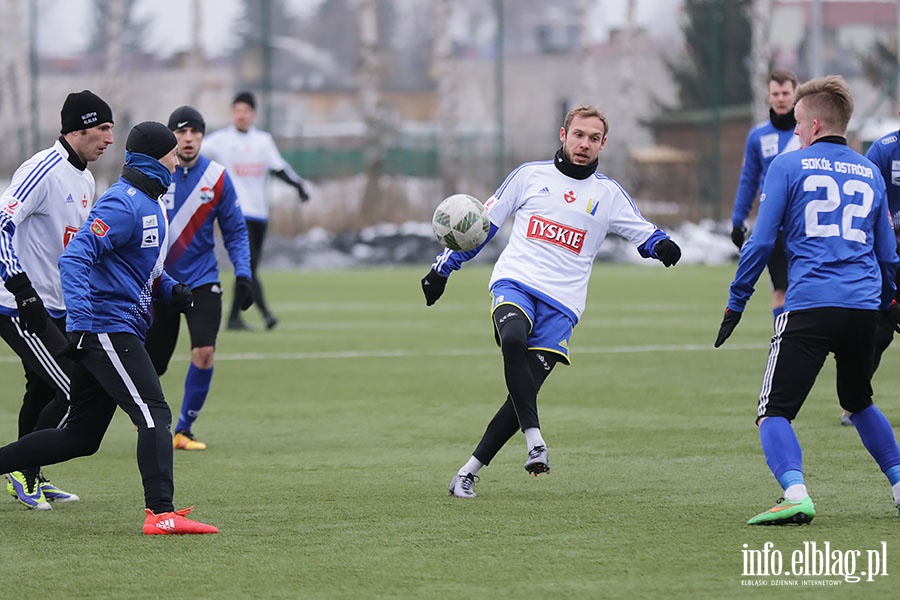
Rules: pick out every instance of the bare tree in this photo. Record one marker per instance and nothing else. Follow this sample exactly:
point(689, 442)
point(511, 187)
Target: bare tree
point(370, 99)
point(445, 75)
point(760, 56)
point(16, 78)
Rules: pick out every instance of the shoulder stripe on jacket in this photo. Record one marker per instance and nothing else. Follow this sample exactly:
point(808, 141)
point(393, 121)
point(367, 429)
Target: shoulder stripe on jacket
point(37, 173)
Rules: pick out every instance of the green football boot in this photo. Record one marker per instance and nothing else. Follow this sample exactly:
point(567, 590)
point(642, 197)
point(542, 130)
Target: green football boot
point(786, 512)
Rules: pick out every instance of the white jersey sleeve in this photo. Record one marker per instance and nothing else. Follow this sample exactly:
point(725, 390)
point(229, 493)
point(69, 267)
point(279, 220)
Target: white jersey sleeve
point(47, 201)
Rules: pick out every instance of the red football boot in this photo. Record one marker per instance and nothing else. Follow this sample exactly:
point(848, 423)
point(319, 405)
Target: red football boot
point(174, 523)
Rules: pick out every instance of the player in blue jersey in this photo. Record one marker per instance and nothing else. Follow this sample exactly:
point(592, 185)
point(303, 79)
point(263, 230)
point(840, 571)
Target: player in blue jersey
point(200, 195)
point(563, 209)
point(46, 202)
point(110, 270)
point(831, 206)
point(885, 153)
point(764, 142)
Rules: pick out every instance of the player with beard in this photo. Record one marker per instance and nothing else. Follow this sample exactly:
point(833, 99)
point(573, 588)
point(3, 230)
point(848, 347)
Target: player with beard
point(563, 209)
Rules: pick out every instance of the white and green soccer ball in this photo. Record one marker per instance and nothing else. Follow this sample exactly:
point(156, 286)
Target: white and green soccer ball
point(460, 222)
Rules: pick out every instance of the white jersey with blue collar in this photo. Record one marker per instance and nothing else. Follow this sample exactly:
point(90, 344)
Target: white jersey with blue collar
point(560, 224)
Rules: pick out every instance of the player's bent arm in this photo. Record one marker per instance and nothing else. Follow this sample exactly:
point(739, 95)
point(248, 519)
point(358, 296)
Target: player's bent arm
point(234, 232)
point(75, 268)
point(452, 260)
point(748, 183)
point(9, 262)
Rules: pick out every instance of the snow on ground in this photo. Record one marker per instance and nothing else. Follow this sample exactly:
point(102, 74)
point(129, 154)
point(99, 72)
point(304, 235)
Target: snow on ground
point(413, 243)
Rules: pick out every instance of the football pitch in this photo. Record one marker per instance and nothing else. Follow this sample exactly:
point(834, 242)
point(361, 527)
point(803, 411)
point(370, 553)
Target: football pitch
point(333, 438)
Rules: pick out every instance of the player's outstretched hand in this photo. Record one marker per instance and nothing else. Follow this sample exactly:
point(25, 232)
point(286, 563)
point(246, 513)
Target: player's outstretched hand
point(32, 314)
point(729, 322)
point(738, 235)
point(667, 251)
point(182, 297)
point(433, 286)
point(243, 289)
point(304, 197)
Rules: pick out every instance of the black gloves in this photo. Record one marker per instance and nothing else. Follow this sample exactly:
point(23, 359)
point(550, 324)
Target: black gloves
point(32, 314)
point(433, 286)
point(738, 236)
point(182, 297)
point(243, 291)
point(304, 197)
point(74, 345)
point(893, 315)
point(667, 251)
point(729, 322)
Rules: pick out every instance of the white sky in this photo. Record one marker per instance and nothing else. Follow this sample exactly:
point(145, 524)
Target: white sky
point(65, 25)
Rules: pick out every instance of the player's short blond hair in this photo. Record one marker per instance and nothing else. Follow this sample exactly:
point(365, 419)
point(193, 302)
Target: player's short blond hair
point(827, 99)
point(586, 110)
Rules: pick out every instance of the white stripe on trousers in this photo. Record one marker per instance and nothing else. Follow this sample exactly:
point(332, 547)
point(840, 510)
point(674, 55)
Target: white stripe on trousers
point(47, 361)
point(780, 324)
point(113, 356)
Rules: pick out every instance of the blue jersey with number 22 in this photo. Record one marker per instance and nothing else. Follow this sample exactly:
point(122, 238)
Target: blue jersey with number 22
point(831, 203)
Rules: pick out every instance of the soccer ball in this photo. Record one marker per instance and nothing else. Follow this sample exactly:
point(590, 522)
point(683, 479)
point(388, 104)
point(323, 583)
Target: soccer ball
point(460, 222)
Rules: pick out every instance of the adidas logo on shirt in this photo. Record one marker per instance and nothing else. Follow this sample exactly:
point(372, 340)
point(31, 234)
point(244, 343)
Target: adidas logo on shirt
point(544, 191)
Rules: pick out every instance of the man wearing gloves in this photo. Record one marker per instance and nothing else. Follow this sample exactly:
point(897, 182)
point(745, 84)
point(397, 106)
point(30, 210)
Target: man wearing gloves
point(201, 193)
point(563, 210)
point(46, 202)
point(110, 271)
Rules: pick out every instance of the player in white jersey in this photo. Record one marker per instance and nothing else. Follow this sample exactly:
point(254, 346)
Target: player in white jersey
point(249, 154)
point(563, 209)
point(45, 204)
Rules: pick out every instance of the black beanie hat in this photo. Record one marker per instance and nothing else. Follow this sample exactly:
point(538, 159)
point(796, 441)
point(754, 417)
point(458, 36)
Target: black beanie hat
point(187, 116)
point(151, 138)
point(246, 98)
point(83, 110)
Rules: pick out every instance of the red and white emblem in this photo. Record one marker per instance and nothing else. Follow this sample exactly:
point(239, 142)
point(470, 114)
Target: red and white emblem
point(99, 228)
point(569, 197)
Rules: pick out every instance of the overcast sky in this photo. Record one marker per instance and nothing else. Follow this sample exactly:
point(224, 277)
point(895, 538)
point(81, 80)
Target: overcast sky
point(65, 25)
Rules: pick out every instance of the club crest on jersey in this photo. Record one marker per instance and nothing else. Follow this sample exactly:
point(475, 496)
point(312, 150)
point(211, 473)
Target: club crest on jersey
point(558, 234)
point(84, 201)
point(206, 194)
point(569, 197)
point(99, 228)
point(69, 235)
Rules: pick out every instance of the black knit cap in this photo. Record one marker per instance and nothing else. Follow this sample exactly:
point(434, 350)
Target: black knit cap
point(151, 138)
point(246, 98)
point(187, 116)
point(83, 110)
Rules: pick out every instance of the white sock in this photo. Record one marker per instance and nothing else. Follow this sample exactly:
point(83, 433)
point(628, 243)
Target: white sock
point(472, 466)
point(796, 493)
point(896, 490)
point(533, 437)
